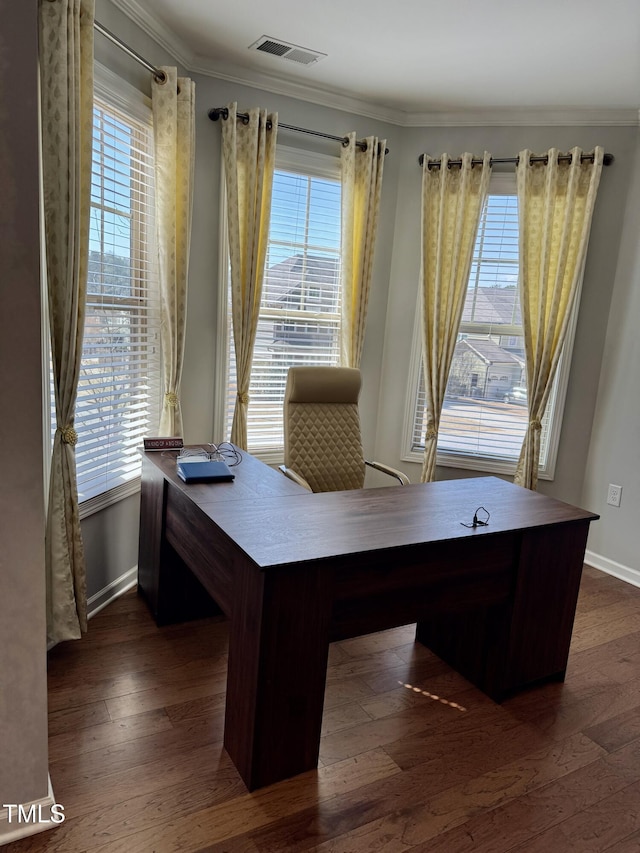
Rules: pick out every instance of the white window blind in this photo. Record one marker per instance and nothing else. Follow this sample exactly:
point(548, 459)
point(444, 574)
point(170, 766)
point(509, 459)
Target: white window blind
point(118, 390)
point(300, 307)
point(485, 411)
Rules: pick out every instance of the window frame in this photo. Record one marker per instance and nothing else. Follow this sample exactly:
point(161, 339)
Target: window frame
point(117, 93)
point(500, 184)
point(309, 164)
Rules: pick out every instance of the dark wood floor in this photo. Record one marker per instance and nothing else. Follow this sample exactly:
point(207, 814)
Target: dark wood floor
point(412, 757)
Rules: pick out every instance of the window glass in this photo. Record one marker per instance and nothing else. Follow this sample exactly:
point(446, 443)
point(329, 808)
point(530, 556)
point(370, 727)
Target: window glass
point(300, 307)
point(485, 413)
point(118, 389)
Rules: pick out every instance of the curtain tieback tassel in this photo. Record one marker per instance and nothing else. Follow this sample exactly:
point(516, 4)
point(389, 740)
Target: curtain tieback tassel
point(535, 424)
point(243, 398)
point(431, 432)
point(68, 435)
point(171, 399)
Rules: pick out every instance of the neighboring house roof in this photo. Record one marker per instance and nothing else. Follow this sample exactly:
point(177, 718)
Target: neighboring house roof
point(489, 351)
point(283, 281)
point(492, 305)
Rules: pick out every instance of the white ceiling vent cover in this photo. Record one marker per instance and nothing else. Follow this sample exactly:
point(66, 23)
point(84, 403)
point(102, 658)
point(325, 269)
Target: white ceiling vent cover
point(284, 50)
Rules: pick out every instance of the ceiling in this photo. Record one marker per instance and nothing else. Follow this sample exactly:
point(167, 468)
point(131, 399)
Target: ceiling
point(400, 59)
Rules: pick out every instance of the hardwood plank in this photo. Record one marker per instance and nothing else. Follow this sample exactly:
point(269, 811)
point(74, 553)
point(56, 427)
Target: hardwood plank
point(187, 834)
point(617, 731)
point(345, 690)
point(140, 812)
point(104, 735)
point(557, 697)
point(82, 717)
point(619, 658)
point(595, 635)
point(603, 617)
point(240, 844)
point(80, 795)
point(444, 689)
point(336, 654)
point(381, 835)
point(592, 597)
point(592, 710)
point(170, 694)
point(365, 664)
point(132, 681)
point(625, 760)
point(412, 671)
point(344, 717)
point(193, 708)
point(598, 828)
point(333, 818)
point(456, 805)
point(631, 844)
point(90, 766)
point(387, 729)
point(411, 788)
point(509, 825)
point(399, 793)
point(469, 736)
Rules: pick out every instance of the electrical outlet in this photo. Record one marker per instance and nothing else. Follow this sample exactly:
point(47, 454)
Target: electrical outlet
point(614, 495)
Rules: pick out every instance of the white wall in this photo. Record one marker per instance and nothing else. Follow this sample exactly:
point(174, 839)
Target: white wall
point(23, 684)
point(614, 454)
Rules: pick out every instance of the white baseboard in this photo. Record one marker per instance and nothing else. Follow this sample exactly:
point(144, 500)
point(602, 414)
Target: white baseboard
point(13, 827)
point(625, 573)
point(112, 591)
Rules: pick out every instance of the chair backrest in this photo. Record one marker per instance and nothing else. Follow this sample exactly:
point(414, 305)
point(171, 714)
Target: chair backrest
point(322, 439)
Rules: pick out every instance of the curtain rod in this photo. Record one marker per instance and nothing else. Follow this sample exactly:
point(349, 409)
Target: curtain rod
point(217, 112)
point(159, 76)
point(607, 160)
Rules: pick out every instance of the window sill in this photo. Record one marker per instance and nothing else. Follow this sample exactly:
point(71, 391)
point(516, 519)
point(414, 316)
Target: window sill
point(503, 467)
point(112, 496)
point(271, 456)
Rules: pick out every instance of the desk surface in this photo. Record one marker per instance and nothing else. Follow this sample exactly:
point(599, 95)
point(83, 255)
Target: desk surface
point(299, 526)
point(253, 480)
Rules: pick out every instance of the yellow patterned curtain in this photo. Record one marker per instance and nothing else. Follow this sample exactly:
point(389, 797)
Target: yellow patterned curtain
point(66, 92)
point(452, 201)
point(249, 160)
point(555, 207)
point(173, 102)
point(361, 188)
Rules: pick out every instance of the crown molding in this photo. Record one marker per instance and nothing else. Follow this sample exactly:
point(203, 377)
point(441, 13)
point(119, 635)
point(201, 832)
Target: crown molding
point(520, 117)
point(340, 100)
point(154, 28)
point(331, 98)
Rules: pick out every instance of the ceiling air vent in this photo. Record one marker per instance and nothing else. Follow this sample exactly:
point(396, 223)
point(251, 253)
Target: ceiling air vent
point(284, 50)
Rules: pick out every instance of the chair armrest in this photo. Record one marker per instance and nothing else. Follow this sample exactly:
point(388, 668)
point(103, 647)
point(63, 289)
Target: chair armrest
point(392, 472)
point(291, 474)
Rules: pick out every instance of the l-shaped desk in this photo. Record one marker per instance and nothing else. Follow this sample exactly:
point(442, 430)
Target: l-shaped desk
point(295, 571)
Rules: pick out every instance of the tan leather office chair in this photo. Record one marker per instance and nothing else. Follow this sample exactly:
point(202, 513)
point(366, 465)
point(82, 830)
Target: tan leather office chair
point(322, 443)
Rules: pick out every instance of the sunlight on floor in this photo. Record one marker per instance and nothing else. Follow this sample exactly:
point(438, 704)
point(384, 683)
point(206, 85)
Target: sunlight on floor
point(433, 696)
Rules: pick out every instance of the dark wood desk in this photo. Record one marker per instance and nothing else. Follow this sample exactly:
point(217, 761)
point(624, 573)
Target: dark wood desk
point(295, 571)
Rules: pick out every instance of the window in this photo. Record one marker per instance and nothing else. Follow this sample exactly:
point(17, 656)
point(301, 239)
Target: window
point(118, 389)
point(485, 413)
point(300, 308)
